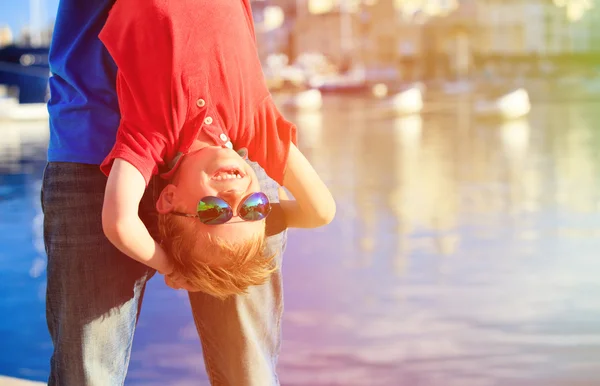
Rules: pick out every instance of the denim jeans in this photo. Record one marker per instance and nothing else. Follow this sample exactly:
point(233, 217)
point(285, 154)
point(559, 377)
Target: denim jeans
point(94, 293)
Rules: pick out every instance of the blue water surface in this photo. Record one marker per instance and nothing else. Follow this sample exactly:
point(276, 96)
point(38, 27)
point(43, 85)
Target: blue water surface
point(463, 253)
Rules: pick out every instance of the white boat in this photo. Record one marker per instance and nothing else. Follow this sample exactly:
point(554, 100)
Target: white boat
point(12, 111)
point(350, 82)
point(309, 100)
point(513, 105)
point(278, 73)
point(30, 71)
point(406, 102)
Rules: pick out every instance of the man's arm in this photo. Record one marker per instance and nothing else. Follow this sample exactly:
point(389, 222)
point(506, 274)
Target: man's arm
point(121, 222)
point(314, 205)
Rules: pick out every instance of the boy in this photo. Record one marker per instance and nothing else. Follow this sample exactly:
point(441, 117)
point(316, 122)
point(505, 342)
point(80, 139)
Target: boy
point(191, 89)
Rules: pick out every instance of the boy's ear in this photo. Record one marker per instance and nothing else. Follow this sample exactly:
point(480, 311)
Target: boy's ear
point(165, 202)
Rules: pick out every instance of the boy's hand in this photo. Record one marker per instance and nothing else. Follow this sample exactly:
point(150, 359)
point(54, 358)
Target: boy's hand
point(275, 223)
point(177, 282)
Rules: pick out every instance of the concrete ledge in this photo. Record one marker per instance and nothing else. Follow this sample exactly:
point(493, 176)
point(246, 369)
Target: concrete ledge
point(6, 381)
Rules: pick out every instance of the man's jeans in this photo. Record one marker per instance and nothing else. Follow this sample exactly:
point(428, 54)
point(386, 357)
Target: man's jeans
point(94, 293)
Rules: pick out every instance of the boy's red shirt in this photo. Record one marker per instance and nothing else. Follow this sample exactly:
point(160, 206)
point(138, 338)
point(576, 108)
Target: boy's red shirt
point(186, 66)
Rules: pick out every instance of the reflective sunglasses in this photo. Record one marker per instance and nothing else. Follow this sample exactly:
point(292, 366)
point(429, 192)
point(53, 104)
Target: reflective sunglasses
point(213, 210)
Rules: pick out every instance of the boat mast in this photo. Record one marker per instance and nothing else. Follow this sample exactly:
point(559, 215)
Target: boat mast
point(35, 27)
point(346, 30)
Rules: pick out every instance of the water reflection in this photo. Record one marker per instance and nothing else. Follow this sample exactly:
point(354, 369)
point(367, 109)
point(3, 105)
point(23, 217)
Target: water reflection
point(406, 138)
point(463, 253)
point(472, 259)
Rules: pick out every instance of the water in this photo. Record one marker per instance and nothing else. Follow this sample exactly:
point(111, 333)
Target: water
point(463, 253)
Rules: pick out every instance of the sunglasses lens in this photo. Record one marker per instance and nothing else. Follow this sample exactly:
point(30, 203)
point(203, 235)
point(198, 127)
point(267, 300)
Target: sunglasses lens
point(255, 207)
point(214, 211)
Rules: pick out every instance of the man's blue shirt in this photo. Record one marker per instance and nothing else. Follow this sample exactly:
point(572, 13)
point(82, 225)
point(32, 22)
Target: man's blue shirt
point(83, 106)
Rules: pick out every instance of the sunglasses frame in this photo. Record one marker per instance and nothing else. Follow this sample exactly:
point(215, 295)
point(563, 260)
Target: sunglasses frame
point(196, 215)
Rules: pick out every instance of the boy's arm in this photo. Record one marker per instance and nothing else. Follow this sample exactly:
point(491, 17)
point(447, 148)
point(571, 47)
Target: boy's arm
point(121, 222)
point(283, 194)
point(314, 205)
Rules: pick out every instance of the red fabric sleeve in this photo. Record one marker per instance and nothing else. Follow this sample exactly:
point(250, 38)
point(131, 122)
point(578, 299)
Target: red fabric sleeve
point(140, 38)
point(269, 142)
point(145, 152)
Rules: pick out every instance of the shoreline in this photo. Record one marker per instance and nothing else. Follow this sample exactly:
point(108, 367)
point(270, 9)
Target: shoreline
point(9, 381)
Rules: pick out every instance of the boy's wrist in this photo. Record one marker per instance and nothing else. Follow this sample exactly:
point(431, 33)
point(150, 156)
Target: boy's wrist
point(163, 264)
point(166, 269)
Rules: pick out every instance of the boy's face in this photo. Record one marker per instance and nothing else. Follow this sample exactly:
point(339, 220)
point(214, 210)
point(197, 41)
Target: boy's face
point(213, 171)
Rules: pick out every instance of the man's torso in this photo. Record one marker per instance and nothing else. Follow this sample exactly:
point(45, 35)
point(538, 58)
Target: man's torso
point(84, 111)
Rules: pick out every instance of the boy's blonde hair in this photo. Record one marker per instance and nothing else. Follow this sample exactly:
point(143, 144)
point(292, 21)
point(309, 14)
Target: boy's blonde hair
point(240, 265)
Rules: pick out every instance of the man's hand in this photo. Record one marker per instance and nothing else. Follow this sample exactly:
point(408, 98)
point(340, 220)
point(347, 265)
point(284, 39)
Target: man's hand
point(176, 281)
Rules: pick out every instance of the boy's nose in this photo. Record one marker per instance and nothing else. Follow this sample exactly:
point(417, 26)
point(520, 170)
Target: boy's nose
point(232, 197)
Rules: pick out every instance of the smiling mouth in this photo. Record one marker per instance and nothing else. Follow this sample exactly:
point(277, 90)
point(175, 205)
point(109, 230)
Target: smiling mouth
point(228, 173)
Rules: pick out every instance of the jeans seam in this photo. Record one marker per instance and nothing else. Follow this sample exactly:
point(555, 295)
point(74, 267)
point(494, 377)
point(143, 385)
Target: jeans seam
point(207, 360)
point(130, 343)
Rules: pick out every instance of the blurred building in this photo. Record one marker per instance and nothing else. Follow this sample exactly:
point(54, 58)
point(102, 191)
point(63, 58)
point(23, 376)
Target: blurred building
point(460, 40)
point(530, 29)
point(35, 37)
point(379, 35)
point(334, 34)
point(368, 34)
point(6, 36)
point(448, 42)
point(390, 40)
point(506, 35)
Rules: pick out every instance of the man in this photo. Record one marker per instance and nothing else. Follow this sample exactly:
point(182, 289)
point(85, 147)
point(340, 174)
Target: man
point(94, 292)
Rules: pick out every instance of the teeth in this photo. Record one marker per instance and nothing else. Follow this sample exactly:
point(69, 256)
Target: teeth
point(227, 176)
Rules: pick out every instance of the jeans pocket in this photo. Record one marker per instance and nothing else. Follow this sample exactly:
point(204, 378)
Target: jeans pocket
point(42, 187)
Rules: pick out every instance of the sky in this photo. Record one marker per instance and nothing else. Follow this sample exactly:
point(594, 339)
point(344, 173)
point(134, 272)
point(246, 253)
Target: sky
point(15, 13)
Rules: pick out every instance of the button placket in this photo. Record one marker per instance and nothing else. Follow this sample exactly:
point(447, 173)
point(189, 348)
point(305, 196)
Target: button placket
point(208, 120)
